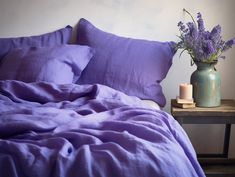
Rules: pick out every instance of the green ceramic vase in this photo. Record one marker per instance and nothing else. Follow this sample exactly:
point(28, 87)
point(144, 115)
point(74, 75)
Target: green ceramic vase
point(206, 83)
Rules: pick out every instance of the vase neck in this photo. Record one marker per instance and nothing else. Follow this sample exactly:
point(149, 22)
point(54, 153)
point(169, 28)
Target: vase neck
point(205, 66)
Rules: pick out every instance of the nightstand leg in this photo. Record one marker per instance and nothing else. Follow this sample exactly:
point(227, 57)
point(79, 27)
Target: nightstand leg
point(226, 140)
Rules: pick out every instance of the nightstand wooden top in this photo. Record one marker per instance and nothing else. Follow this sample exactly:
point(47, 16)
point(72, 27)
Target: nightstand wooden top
point(227, 108)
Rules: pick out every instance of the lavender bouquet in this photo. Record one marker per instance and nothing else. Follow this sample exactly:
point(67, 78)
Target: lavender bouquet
point(201, 45)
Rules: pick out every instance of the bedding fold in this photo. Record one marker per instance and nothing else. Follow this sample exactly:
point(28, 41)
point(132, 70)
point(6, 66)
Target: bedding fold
point(71, 130)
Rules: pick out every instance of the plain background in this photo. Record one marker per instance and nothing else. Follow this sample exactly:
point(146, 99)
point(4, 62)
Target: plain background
point(145, 19)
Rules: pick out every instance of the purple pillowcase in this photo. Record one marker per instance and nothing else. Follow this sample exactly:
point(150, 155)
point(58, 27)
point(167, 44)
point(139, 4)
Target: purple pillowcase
point(133, 66)
point(60, 64)
point(61, 36)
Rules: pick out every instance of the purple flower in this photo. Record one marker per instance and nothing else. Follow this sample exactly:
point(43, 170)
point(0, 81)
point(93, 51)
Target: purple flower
point(202, 45)
point(200, 22)
point(205, 35)
point(192, 30)
point(229, 44)
point(180, 24)
point(182, 27)
point(215, 34)
point(210, 49)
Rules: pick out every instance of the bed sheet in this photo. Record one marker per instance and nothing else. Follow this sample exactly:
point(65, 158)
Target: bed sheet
point(73, 130)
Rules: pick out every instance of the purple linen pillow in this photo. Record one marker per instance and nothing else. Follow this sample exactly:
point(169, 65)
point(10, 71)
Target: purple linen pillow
point(61, 36)
point(60, 64)
point(133, 66)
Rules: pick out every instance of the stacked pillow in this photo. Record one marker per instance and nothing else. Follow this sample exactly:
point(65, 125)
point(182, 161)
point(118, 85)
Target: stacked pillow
point(44, 57)
point(133, 66)
point(61, 36)
point(60, 64)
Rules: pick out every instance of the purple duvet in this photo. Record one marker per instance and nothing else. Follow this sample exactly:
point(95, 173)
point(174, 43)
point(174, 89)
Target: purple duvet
point(49, 130)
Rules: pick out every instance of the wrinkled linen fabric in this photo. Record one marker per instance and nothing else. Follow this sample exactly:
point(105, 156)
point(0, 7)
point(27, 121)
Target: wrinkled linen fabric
point(60, 36)
point(134, 66)
point(73, 130)
point(60, 64)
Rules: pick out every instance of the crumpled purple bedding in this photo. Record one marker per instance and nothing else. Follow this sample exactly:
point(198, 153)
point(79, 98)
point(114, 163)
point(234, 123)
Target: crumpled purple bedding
point(49, 130)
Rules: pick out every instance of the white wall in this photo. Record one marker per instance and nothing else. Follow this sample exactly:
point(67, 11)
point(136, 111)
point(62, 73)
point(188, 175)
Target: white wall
point(148, 19)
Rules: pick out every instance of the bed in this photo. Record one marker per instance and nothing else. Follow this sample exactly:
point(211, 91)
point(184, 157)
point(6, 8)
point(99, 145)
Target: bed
point(84, 109)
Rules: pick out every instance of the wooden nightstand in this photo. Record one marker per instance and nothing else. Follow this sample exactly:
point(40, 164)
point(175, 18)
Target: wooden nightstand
point(224, 114)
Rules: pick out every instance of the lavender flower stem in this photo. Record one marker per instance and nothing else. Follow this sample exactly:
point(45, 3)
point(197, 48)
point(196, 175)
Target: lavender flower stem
point(189, 15)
